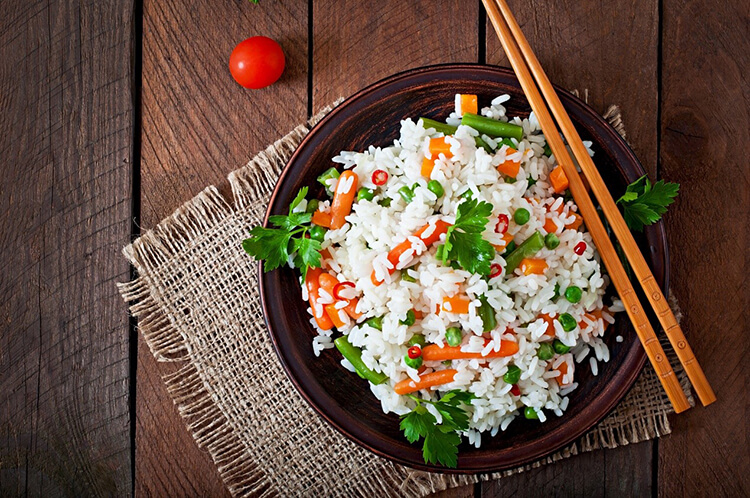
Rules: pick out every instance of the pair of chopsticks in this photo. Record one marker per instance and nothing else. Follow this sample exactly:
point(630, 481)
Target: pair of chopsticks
point(525, 64)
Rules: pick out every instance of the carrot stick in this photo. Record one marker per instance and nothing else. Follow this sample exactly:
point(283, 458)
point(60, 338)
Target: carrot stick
point(311, 281)
point(321, 219)
point(333, 314)
point(393, 256)
point(558, 180)
point(431, 379)
point(327, 282)
point(351, 309)
point(343, 199)
point(433, 352)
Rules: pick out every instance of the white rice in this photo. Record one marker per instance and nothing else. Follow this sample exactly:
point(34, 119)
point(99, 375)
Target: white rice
point(361, 247)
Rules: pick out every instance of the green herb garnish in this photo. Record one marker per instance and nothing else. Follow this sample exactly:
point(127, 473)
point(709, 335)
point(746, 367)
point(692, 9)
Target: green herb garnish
point(464, 242)
point(441, 441)
point(276, 245)
point(644, 203)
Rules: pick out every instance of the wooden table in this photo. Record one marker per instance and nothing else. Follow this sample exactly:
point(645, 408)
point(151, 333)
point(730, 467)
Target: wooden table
point(113, 113)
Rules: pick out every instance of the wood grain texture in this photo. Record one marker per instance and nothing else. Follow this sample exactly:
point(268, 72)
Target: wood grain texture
point(704, 143)
point(363, 43)
point(198, 125)
point(66, 130)
point(611, 50)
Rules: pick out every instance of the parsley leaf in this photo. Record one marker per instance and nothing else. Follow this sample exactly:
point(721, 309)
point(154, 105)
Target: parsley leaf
point(300, 196)
point(441, 441)
point(291, 221)
point(269, 244)
point(644, 203)
point(464, 242)
point(308, 251)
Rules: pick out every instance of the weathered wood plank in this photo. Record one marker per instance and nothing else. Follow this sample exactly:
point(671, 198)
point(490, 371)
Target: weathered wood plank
point(704, 143)
point(198, 125)
point(611, 49)
point(66, 130)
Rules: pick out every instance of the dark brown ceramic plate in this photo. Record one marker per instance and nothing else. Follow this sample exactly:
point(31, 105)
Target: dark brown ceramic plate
point(371, 117)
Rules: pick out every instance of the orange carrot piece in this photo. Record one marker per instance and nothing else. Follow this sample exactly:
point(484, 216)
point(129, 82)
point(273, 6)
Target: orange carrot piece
point(534, 266)
point(563, 369)
point(433, 352)
point(395, 254)
point(342, 201)
point(509, 168)
point(507, 238)
point(593, 316)
point(418, 314)
point(351, 309)
point(550, 226)
point(558, 180)
point(469, 104)
point(428, 164)
point(458, 304)
point(311, 281)
point(573, 225)
point(333, 314)
point(550, 332)
point(321, 219)
point(426, 381)
point(440, 146)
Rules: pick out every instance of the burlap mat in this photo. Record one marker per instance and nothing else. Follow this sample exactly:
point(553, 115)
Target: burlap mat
point(196, 300)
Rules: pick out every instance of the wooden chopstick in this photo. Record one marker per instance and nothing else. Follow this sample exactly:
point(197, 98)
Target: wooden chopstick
point(594, 224)
point(637, 261)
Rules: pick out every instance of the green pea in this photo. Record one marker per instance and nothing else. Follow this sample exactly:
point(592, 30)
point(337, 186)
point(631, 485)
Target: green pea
point(510, 180)
point(509, 248)
point(410, 319)
point(513, 375)
point(532, 181)
point(375, 322)
point(453, 336)
point(545, 351)
point(327, 175)
point(521, 216)
point(557, 291)
point(406, 194)
point(448, 363)
point(551, 241)
point(385, 202)
point(318, 233)
point(365, 194)
point(413, 362)
point(436, 188)
point(530, 413)
point(567, 321)
point(417, 340)
point(312, 205)
point(406, 277)
point(573, 294)
point(559, 347)
point(547, 150)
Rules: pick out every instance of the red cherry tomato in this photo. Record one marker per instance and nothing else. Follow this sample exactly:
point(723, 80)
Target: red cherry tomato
point(256, 62)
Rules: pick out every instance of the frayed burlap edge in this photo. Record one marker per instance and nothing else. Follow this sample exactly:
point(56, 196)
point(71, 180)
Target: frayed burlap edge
point(191, 393)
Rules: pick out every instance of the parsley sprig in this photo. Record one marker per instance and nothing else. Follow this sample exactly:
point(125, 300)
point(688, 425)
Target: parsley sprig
point(644, 203)
point(276, 245)
point(464, 242)
point(440, 440)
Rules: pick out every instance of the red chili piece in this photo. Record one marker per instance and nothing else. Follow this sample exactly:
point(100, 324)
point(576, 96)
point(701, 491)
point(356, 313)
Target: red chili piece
point(414, 352)
point(580, 248)
point(495, 270)
point(341, 286)
point(502, 224)
point(379, 177)
point(515, 390)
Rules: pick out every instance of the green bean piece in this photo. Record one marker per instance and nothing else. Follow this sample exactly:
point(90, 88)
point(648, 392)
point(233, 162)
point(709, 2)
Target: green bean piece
point(318, 233)
point(513, 375)
point(547, 150)
point(327, 175)
point(453, 336)
point(545, 351)
point(573, 294)
point(527, 249)
point(492, 127)
point(385, 202)
point(567, 321)
point(531, 181)
point(417, 340)
point(447, 129)
point(436, 188)
point(312, 205)
point(530, 413)
point(406, 277)
point(439, 252)
point(413, 362)
point(521, 216)
point(406, 194)
point(508, 142)
point(559, 347)
point(487, 313)
point(509, 248)
point(354, 355)
point(375, 322)
point(410, 319)
point(551, 241)
point(365, 194)
point(557, 291)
